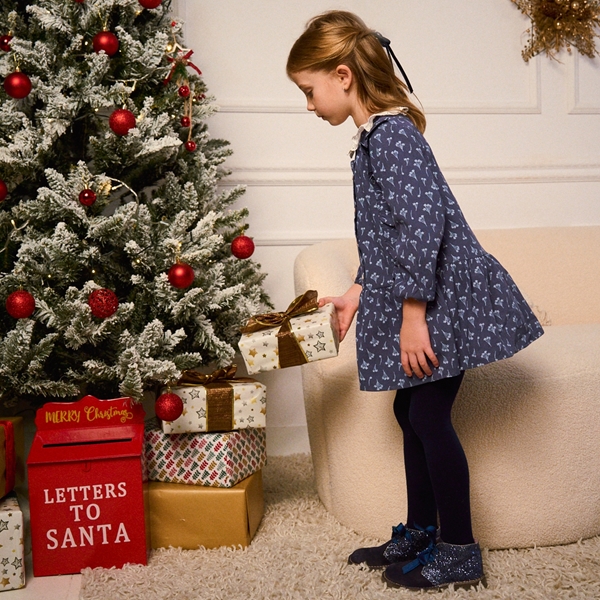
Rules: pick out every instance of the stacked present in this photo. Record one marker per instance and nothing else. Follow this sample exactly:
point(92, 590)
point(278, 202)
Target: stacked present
point(205, 466)
point(11, 515)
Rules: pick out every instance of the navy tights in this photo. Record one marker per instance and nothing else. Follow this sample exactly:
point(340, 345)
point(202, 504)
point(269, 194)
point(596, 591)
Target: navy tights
point(437, 473)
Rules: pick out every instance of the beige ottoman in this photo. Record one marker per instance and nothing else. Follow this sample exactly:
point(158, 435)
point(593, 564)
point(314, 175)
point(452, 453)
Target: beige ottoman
point(530, 425)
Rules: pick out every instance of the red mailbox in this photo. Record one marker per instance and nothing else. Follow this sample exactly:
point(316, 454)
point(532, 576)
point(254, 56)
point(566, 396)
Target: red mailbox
point(86, 493)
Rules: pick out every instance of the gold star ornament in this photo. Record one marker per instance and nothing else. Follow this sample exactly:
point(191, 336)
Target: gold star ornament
point(560, 23)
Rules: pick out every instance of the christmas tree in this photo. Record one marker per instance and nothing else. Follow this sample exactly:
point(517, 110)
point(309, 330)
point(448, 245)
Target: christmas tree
point(117, 265)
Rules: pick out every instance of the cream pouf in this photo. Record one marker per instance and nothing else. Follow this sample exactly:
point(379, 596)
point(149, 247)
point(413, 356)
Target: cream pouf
point(530, 425)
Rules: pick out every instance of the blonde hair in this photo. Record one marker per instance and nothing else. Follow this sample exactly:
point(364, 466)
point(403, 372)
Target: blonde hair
point(341, 38)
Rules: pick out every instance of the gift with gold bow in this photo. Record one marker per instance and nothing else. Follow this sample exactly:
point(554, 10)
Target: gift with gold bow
point(303, 333)
point(219, 401)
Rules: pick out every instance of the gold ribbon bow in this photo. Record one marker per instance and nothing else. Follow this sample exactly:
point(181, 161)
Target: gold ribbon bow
point(219, 395)
point(304, 304)
point(195, 378)
point(290, 351)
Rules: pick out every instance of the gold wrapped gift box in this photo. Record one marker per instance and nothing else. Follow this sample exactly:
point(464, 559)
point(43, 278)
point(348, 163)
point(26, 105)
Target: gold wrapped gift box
point(188, 516)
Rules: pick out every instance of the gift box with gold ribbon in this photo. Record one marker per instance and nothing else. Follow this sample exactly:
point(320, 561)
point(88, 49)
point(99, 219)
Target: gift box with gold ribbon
point(218, 402)
point(303, 333)
point(212, 459)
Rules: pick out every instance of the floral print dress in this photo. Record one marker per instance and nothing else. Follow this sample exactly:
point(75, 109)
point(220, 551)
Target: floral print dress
point(414, 242)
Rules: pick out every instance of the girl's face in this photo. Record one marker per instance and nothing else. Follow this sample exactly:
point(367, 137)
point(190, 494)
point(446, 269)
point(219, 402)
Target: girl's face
point(330, 95)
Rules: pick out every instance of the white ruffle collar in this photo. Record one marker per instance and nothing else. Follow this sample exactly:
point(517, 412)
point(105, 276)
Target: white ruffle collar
point(400, 110)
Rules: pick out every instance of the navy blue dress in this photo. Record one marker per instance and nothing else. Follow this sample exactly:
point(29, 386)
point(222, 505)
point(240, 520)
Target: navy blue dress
point(414, 242)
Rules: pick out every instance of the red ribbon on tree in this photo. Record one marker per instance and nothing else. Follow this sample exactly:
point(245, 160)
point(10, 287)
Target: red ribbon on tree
point(181, 61)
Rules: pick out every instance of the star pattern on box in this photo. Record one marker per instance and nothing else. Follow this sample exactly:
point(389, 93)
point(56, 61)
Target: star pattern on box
point(11, 544)
point(260, 350)
point(248, 399)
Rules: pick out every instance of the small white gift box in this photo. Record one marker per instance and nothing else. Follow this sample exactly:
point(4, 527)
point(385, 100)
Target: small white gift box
point(296, 339)
point(218, 402)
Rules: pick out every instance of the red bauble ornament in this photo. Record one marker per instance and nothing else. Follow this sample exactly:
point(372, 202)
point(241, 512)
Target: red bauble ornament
point(150, 3)
point(190, 146)
point(121, 121)
point(17, 85)
point(80, 1)
point(5, 42)
point(3, 191)
point(168, 407)
point(181, 275)
point(242, 247)
point(184, 91)
point(185, 121)
point(87, 197)
point(107, 41)
point(20, 304)
point(103, 302)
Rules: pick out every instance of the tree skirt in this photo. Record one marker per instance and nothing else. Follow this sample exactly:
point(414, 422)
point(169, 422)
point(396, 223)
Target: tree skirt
point(300, 553)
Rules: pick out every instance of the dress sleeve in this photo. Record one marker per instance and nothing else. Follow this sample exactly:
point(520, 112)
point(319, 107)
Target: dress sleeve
point(403, 169)
point(359, 275)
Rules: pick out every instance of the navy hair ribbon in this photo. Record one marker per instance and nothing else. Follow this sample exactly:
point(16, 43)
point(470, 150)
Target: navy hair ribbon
point(388, 48)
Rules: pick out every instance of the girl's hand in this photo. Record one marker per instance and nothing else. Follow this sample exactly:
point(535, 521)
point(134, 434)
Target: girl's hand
point(345, 307)
point(416, 352)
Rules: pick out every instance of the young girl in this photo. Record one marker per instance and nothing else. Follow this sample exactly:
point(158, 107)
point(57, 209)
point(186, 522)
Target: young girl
point(431, 302)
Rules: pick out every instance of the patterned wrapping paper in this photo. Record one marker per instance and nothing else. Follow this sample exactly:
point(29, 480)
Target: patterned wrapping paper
point(316, 334)
point(249, 408)
point(12, 569)
point(211, 459)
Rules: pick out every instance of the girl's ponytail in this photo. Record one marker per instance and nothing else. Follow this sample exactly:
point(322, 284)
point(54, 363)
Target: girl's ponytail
point(339, 37)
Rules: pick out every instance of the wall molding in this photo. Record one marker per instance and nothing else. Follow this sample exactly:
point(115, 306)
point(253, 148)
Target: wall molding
point(531, 105)
point(301, 241)
point(469, 175)
point(577, 106)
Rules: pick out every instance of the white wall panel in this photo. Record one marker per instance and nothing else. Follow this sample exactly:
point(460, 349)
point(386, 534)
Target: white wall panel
point(441, 45)
point(289, 214)
point(517, 142)
point(585, 85)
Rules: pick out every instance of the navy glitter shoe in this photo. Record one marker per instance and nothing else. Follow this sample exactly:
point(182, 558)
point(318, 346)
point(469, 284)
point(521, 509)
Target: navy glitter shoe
point(439, 566)
point(405, 545)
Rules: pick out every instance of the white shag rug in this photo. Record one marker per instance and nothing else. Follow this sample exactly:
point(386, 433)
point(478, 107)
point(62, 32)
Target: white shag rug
point(300, 553)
